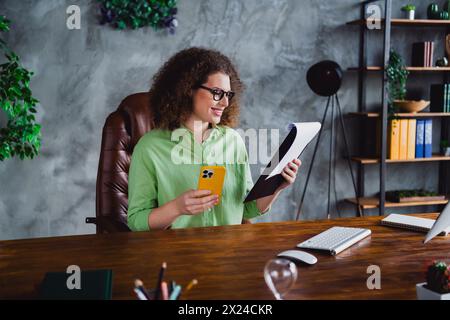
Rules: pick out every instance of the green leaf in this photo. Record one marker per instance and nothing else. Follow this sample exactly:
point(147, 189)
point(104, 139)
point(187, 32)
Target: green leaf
point(121, 25)
point(21, 136)
point(138, 13)
point(15, 91)
point(135, 23)
point(4, 23)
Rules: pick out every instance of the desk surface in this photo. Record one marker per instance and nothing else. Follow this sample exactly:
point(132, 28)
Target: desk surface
point(229, 261)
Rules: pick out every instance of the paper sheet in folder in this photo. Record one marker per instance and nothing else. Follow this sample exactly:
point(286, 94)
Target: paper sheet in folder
point(298, 138)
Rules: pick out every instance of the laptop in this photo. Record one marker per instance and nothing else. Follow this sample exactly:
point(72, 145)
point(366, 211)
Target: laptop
point(442, 223)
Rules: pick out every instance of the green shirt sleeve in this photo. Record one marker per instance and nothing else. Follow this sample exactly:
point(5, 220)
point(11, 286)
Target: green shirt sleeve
point(142, 190)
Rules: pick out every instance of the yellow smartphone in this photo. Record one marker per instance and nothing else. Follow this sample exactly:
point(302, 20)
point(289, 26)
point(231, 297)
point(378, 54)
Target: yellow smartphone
point(212, 178)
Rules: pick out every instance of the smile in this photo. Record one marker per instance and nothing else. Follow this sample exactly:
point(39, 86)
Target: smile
point(217, 111)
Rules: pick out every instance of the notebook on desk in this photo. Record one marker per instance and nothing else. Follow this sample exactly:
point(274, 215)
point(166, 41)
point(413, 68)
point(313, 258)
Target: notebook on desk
point(411, 223)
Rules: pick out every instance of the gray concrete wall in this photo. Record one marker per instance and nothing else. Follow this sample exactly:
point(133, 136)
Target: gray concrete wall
point(82, 75)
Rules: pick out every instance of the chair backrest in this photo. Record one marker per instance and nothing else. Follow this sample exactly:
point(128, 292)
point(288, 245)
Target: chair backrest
point(122, 130)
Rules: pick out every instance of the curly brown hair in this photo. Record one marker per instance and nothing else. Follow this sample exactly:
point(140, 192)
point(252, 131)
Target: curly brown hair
point(172, 90)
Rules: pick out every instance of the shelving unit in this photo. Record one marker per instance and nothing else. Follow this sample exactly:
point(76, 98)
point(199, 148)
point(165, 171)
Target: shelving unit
point(435, 157)
point(402, 115)
point(363, 69)
point(413, 69)
point(373, 203)
point(404, 22)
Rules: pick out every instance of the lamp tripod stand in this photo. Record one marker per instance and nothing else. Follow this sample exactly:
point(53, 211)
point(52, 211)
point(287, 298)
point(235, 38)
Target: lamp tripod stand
point(334, 100)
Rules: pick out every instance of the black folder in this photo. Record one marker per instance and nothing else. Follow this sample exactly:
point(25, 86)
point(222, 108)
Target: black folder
point(419, 56)
point(437, 98)
point(265, 187)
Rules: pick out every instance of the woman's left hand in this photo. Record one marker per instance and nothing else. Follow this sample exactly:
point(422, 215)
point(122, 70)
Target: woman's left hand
point(289, 173)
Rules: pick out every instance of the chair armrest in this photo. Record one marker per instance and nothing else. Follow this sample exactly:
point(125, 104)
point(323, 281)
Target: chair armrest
point(108, 225)
point(92, 220)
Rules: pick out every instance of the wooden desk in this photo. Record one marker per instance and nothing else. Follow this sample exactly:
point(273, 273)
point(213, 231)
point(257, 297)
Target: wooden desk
point(228, 261)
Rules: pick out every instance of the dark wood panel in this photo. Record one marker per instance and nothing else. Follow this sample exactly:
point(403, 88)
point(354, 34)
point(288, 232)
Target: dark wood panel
point(228, 261)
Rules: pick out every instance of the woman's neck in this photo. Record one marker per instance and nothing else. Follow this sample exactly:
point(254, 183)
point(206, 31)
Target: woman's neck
point(198, 128)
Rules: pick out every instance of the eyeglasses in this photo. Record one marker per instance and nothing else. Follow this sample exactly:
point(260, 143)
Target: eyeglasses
point(219, 93)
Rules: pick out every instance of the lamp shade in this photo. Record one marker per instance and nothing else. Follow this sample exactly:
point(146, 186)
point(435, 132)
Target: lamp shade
point(324, 78)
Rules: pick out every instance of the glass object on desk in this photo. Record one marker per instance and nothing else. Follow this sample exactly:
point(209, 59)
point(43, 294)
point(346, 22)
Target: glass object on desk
point(280, 275)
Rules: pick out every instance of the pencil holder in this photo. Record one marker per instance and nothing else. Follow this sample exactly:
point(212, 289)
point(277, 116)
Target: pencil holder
point(171, 295)
point(151, 293)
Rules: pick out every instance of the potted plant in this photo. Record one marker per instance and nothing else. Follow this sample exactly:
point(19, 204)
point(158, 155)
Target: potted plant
point(437, 286)
point(22, 135)
point(397, 76)
point(445, 148)
point(413, 195)
point(410, 10)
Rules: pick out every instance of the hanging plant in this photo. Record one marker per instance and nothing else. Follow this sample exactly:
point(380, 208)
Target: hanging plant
point(134, 14)
point(21, 136)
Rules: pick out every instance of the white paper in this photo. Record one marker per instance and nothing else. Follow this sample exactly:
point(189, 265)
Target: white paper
point(306, 131)
point(442, 224)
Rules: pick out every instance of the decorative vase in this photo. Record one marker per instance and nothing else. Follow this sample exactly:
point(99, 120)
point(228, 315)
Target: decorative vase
point(426, 294)
point(410, 14)
point(443, 15)
point(433, 11)
point(442, 62)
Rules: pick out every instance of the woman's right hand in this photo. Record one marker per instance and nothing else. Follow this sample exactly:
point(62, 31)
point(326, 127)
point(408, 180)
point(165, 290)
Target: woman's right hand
point(193, 202)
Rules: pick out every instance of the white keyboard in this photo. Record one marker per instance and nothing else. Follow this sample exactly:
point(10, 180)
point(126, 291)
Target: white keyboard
point(335, 239)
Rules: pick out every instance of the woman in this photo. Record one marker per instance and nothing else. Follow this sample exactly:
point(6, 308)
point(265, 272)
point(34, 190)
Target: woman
point(195, 98)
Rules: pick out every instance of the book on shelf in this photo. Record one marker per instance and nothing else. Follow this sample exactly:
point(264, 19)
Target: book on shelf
point(418, 54)
point(408, 139)
point(419, 137)
point(422, 137)
point(411, 147)
point(445, 104)
point(422, 54)
point(445, 98)
point(427, 138)
point(430, 53)
point(440, 97)
point(394, 139)
point(403, 152)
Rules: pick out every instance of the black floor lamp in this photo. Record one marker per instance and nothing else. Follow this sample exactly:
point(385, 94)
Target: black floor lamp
point(325, 79)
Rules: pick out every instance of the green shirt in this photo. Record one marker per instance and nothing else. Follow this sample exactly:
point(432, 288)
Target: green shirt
point(167, 163)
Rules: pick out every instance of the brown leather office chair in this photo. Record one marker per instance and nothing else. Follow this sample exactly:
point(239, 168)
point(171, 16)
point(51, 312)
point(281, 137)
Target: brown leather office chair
point(122, 130)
